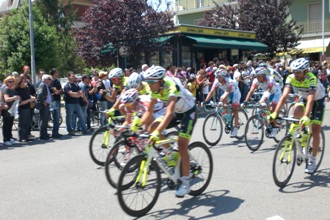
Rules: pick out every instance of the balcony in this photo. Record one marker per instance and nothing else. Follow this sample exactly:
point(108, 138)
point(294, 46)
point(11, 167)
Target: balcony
point(194, 4)
point(315, 26)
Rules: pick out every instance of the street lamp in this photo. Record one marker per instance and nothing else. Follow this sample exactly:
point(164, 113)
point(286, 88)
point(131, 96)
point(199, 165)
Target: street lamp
point(33, 66)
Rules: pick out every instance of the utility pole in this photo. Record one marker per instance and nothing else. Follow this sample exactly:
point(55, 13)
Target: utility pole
point(323, 20)
point(33, 65)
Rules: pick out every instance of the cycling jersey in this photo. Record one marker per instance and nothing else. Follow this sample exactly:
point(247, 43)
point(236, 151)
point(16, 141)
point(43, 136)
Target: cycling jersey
point(144, 102)
point(303, 88)
point(123, 85)
point(268, 83)
point(277, 77)
point(145, 89)
point(230, 86)
point(173, 87)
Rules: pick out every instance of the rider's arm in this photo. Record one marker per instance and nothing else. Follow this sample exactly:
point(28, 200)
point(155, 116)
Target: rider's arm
point(248, 96)
point(148, 114)
point(284, 97)
point(310, 102)
point(168, 115)
point(210, 94)
point(116, 105)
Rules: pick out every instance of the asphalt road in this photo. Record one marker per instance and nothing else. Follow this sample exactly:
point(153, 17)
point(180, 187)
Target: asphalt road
point(58, 180)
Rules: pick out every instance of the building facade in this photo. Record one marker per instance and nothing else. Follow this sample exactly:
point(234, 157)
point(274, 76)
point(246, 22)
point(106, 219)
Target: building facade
point(307, 13)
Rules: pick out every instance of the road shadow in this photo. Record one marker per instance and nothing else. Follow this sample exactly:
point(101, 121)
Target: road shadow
point(235, 142)
point(320, 178)
point(264, 149)
point(325, 128)
point(219, 203)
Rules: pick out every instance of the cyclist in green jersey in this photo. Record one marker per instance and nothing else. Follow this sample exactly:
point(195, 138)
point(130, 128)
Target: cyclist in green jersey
point(311, 103)
point(180, 109)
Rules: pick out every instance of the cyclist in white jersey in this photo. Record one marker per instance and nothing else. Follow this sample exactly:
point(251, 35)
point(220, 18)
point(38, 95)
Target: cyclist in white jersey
point(231, 94)
point(271, 96)
point(135, 104)
point(274, 74)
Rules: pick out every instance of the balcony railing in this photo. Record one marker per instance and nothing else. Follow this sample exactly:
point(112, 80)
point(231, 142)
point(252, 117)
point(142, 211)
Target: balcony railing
point(193, 4)
point(313, 27)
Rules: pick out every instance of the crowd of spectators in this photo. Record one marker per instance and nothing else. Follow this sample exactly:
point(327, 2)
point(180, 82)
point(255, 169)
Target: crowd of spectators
point(89, 96)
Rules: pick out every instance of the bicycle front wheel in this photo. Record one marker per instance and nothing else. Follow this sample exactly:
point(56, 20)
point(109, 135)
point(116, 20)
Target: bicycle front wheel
point(284, 161)
point(100, 145)
point(135, 198)
point(242, 122)
point(283, 126)
point(254, 133)
point(201, 167)
point(320, 151)
point(117, 158)
point(212, 129)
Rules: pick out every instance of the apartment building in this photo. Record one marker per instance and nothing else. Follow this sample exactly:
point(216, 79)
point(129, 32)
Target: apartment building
point(306, 12)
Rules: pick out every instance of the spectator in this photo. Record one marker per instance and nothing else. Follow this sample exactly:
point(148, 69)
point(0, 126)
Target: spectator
point(32, 92)
point(8, 97)
point(103, 94)
point(57, 90)
point(26, 70)
point(170, 70)
point(143, 69)
point(21, 90)
point(40, 74)
point(72, 93)
point(316, 68)
point(45, 99)
point(83, 101)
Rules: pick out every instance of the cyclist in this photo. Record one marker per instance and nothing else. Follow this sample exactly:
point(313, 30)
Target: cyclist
point(231, 94)
point(271, 95)
point(180, 109)
point(311, 102)
point(134, 81)
point(135, 104)
point(118, 80)
point(272, 72)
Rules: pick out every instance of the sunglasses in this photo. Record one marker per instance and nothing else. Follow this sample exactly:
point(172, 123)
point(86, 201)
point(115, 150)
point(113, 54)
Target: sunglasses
point(10, 81)
point(297, 72)
point(114, 79)
point(150, 82)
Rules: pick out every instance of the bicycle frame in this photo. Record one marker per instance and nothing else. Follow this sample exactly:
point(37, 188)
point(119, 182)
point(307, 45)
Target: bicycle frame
point(152, 154)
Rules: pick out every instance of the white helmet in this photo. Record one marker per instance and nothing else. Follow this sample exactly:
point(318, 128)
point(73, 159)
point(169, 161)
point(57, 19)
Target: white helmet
point(116, 73)
point(134, 81)
point(262, 64)
point(300, 64)
point(130, 96)
point(220, 72)
point(261, 71)
point(155, 72)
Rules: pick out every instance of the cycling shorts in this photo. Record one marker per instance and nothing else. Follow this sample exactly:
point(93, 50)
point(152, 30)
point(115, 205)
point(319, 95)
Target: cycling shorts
point(187, 120)
point(317, 111)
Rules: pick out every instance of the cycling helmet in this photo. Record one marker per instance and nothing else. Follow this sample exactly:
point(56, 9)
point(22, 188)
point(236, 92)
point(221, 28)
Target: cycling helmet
point(116, 73)
point(134, 81)
point(130, 96)
point(155, 72)
point(221, 72)
point(262, 64)
point(261, 71)
point(300, 64)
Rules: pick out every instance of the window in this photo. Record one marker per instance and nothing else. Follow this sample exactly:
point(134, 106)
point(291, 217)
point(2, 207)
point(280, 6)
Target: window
point(314, 18)
point(199, 3)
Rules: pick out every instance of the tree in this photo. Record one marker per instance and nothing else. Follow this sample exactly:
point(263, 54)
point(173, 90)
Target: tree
point(131, 24)
point(59, 13)
point(15, 41)
point(270, 19)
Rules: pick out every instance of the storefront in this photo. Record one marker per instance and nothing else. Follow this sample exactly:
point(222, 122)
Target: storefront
point(196, 44)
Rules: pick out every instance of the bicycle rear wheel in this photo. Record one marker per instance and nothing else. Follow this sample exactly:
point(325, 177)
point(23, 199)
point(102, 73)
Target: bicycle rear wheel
point(117, 158)
point(100, 145)
point(137, 200)
point(284, 161)
point(320, 152)
point(254, 133)
point(212, 129)
point(201, 166)
point(242, 121)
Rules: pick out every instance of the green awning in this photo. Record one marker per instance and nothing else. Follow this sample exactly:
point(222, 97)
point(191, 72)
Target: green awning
point(109, 47)
point(226, 43)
